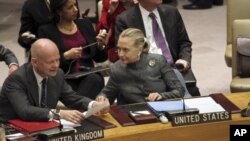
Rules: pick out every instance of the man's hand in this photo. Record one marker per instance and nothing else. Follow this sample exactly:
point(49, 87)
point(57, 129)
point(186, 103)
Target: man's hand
point(153, 97)
point(28, 37)
point(72, 115)
point(184, 63)
point(12, 68)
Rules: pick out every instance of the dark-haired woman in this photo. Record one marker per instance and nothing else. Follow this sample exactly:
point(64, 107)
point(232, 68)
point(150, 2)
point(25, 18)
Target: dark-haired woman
point(72, 35)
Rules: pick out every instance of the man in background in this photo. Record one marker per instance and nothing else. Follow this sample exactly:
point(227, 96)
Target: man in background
point(172, 29)
point(9, 58)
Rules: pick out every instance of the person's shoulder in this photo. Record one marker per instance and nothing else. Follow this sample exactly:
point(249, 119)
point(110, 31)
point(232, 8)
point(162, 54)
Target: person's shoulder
point(20, 74)
point(31, 3)
point(129, 12)
point(49, 26)
point(166, 7)
point(117, 65)
point(155, 56)
point(83, 21)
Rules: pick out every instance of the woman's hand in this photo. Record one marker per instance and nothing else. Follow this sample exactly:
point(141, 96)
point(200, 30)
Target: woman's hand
point(100, 100)
point(112, 6)
point(73, 53)
point(153, 97)
point(101, 38)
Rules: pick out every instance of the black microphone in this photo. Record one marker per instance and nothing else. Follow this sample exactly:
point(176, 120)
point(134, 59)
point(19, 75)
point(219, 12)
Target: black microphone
point(246, 112)
point(57, 116)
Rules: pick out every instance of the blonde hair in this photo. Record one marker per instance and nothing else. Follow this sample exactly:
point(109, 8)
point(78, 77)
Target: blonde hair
point(136, 36)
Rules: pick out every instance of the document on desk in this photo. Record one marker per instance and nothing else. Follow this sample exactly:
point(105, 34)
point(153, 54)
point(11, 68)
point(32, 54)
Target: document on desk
point(204, 104)
point(169, 105)
point(96, 109)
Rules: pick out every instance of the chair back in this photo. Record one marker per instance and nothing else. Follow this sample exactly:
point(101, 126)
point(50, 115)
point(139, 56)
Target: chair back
point(241, 28)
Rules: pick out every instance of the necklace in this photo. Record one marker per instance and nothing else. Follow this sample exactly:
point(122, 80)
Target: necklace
point(68, 28)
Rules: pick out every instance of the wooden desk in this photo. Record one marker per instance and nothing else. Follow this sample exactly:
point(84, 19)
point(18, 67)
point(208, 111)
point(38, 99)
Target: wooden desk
point(215, 131)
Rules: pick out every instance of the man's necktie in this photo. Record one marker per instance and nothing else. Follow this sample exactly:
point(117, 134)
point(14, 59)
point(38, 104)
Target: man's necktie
point(159, 39)
point(44, 93)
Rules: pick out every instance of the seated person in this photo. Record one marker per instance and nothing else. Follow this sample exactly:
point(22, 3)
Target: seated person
point(9, 58)
point(71, 35)
point(162, 24)
point(31, 19)
point(24, 97)
point(110, 10)
point(139, 76)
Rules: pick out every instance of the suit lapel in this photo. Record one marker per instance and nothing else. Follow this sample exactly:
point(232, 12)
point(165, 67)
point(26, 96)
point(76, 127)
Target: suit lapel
point(137, 19)
point(165, 24)
point(32, 85)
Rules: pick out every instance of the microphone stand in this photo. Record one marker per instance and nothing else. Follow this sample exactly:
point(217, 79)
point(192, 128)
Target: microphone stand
point(59, 119)
point(71, 63)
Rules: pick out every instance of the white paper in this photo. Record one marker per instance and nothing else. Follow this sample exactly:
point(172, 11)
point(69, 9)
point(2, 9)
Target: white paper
point(96, 109)
point(68, 124)
point(204, 104)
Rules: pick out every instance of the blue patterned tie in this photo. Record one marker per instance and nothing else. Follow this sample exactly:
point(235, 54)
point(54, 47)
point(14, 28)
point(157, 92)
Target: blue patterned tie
point(44, 93)
point(159, 39)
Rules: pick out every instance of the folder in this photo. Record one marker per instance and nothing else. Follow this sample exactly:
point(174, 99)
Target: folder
point(33, 127)
point(225, 103)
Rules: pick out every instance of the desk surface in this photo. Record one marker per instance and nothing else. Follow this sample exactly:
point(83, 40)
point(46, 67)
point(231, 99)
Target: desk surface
point(215, 131)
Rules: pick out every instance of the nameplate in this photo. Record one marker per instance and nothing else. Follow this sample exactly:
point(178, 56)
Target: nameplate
point(200, 118)
point(78, 136)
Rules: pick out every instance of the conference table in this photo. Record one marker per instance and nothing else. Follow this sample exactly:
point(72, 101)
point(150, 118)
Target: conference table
point(213, 131)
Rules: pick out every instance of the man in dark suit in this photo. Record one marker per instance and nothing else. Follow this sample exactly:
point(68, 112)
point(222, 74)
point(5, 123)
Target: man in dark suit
point(171, 25)
point(23, 96)
point(9, 58)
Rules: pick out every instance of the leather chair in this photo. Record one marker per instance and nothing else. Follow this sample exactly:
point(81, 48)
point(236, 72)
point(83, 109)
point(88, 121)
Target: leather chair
point(236, 9)
point(238, 84)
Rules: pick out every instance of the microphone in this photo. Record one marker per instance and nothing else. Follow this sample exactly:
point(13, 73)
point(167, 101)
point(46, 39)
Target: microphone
point(58, 117)
point(55, 115)
point(246, 112)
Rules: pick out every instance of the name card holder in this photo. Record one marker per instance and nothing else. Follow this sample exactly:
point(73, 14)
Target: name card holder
point(190, 119)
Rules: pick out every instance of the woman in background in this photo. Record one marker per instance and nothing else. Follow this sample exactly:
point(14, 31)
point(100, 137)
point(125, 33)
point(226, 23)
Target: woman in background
point(78, 45)
point(110, 10)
